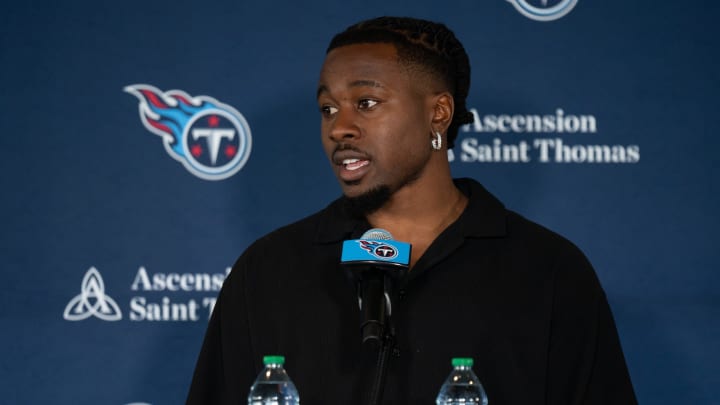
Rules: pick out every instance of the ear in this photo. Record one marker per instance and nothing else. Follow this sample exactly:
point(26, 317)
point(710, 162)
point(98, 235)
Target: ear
point(443, 109)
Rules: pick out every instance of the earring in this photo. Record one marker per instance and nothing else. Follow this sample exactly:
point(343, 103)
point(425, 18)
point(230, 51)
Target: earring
point(437, 141)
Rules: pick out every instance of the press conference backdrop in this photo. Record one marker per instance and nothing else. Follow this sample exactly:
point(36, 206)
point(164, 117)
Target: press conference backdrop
point(146, 144)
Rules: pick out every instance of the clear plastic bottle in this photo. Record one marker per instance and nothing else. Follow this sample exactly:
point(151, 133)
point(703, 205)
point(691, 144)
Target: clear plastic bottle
point(462, 387)
point(273, 385)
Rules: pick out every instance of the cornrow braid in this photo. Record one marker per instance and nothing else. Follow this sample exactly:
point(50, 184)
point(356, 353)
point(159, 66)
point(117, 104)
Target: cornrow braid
point(427, 45)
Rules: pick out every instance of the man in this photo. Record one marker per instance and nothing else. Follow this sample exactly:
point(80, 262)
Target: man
point(483, 282)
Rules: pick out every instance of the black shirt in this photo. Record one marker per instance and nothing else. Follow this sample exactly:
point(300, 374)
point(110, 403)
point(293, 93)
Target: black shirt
point(521, 300)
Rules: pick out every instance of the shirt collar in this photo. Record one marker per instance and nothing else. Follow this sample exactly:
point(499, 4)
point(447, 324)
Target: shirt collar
point(484, 216)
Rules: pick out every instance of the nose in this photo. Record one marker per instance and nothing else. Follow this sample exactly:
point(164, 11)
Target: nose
point(344, 126)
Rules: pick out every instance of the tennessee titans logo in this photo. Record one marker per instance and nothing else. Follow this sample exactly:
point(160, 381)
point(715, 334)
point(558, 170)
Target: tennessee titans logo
point(379, 249)
point(544, 10)
point(211, 139)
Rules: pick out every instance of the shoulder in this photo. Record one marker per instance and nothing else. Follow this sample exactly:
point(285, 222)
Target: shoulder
point(298, 235)
point(529, 249)
point(545, 250)
point(487, 218)
point(539, 239)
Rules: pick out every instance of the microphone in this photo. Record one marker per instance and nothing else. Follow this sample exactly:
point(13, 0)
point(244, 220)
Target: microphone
point(375, 263)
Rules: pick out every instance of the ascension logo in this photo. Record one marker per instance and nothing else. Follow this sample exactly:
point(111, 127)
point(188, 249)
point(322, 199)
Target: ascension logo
point(92, 300)
point(211, 139)
point(379, 249)
point(544, 10)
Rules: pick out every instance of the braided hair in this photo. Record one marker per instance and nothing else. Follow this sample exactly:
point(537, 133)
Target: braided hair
point(425, 45)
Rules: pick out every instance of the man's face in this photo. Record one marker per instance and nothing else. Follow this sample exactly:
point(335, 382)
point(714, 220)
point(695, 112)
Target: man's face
point(375, 118)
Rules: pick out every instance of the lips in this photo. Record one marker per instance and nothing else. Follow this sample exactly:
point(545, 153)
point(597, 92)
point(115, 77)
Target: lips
point(354, 164)
point(351, 165)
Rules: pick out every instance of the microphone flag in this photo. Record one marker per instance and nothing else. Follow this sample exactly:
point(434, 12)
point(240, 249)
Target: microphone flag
point(383, 252)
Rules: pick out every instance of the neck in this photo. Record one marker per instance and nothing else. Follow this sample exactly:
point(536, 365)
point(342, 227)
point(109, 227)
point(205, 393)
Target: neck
point(418, 214)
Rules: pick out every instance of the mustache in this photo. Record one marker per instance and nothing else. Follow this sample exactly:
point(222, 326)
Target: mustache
point(346, 146)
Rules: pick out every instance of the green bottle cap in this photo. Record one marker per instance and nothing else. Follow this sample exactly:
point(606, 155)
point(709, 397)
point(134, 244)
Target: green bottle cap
point(274, 360)
point(462, 361)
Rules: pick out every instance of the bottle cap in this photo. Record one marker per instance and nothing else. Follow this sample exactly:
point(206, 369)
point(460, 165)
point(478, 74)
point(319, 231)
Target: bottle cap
point(274, 360)
point(462, 361)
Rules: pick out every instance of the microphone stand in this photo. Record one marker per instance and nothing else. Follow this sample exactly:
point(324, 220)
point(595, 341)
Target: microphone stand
point(376, 263)
point(378, 386)
point(374, 307)
point(379, 335)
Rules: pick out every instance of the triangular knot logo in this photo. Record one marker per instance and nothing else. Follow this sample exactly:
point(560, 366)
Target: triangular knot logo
point(92, 300)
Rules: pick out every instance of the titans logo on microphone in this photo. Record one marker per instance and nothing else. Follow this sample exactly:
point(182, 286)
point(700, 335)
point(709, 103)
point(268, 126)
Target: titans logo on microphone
point(211, 139)
point(379, 249)
point(544, 10)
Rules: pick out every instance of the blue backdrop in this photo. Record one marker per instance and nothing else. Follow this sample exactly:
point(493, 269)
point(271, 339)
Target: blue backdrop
point(600, 124)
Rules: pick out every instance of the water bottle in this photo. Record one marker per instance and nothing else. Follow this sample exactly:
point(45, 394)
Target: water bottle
point(462, 386)
point(273, 385)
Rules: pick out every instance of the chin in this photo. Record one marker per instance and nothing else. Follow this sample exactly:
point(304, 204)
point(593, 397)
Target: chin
point(353, 189)
point(361, 202)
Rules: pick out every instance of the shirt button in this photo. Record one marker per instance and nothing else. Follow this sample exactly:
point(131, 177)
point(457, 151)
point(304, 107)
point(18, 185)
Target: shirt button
point(396, 352)
point(402, 294)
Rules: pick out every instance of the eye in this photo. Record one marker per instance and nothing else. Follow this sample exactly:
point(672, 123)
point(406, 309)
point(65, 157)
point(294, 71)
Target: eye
point(366, 104)
point(327, 110)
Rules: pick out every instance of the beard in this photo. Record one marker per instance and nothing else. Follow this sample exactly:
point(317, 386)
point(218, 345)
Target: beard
point(362, 205)
point(372, 200)
point(368, 202)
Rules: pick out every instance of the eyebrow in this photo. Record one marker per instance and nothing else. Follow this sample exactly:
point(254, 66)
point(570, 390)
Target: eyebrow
point(357, 83)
